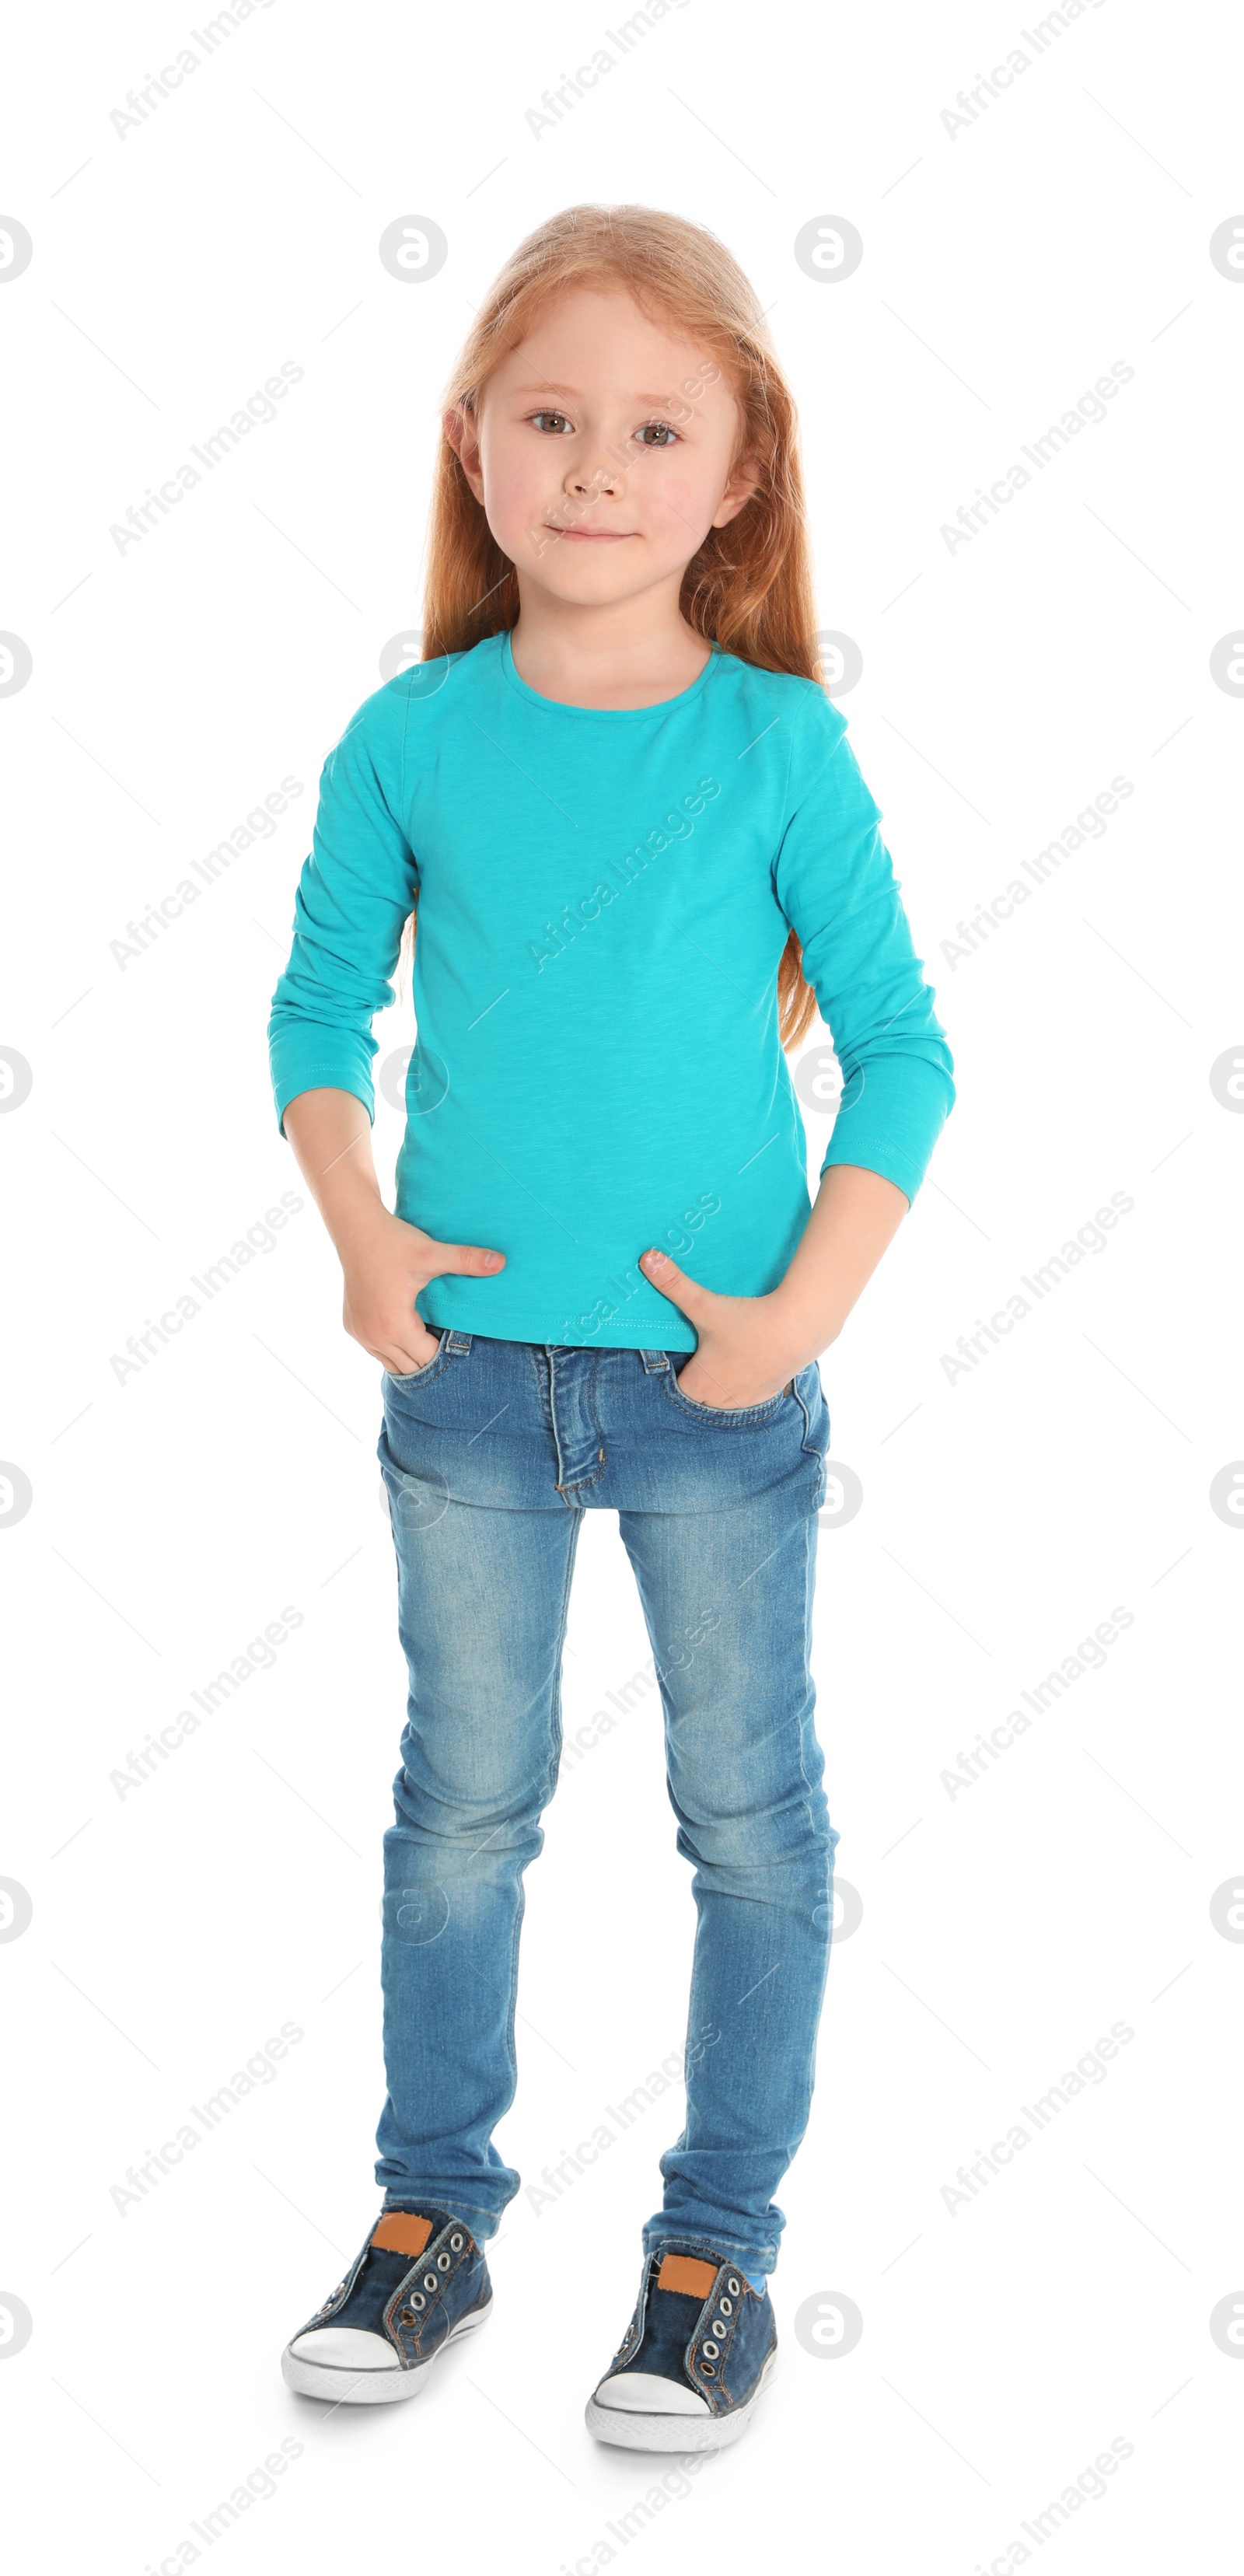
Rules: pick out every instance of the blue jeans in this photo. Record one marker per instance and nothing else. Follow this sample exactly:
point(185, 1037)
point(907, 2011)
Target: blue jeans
point(491, 1454)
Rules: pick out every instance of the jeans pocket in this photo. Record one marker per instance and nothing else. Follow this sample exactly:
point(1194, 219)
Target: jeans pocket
point(432, 1368)
point(722, 1413)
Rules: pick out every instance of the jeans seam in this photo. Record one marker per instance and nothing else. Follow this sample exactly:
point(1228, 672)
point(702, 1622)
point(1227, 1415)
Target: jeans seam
point(761, 2257)
point(555, 1754)
point(742, 1413)
point(413, 2202)
point(831, 1842)
point(551, 1775)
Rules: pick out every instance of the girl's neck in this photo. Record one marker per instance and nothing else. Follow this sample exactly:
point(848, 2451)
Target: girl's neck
point(630, 656)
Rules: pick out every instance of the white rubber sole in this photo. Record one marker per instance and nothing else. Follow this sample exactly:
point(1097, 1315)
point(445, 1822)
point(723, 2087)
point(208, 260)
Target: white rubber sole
point(676, 2432)
point(338, 2386)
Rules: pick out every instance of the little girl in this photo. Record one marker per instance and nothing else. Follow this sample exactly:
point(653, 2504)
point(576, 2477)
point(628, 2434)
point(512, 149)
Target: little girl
point(639, 853)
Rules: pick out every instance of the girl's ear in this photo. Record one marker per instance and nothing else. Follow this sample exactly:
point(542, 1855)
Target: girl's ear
point(738, 492)
point(460, 430)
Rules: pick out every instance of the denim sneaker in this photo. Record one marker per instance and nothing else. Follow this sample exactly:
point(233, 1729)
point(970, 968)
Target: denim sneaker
point(689, 2369)
point(419, 2281)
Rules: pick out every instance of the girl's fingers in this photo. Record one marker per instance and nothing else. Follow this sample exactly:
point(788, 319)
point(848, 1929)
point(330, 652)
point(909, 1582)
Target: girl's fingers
point(476, 1259)
point(704, 1388)
point(695, 1301)
point(404, 1363)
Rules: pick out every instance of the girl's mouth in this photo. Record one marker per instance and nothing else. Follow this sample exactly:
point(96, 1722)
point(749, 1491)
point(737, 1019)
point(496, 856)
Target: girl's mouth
point(592, 536)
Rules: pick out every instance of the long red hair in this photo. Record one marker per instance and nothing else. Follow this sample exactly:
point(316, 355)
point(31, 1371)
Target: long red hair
point(749, 586)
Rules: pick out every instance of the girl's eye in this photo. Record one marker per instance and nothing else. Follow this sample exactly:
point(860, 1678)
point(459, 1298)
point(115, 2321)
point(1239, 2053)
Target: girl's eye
point(663, 435)
point(538, 417)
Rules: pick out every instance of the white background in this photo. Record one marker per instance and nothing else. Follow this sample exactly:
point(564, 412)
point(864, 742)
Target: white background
point(1005, 1512)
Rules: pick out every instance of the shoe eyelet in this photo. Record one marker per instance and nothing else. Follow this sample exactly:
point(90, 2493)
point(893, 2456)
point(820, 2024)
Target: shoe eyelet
point(733, 2288)
point(710, 2351)
point(442, 2262)
point(430, 2281)
point(720, 2327)
point(727, 2308)
point(456, 2244)
point(406, 2317)
point(417, 2300)
point(708, 2370)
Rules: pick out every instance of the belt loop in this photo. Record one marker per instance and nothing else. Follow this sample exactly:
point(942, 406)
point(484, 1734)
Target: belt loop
point(457, 1341)
point(654, 1360)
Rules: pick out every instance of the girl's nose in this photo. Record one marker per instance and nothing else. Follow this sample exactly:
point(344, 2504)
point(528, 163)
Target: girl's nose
point(591, 486)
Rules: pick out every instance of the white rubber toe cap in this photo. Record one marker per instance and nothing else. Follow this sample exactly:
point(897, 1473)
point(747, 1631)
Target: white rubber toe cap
point(639, 2393)
point(345, 2348)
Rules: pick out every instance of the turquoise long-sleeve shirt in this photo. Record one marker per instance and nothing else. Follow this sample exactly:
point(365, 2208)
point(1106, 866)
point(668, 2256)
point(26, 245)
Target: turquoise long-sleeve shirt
point(603, 899)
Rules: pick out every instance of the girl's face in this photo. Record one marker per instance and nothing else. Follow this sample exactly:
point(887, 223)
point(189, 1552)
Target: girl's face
point(601, 450)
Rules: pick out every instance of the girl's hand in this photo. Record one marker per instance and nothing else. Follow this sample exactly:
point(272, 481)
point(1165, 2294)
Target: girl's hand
point(744, 1351)
point(748, 1347)
point(385, 1264)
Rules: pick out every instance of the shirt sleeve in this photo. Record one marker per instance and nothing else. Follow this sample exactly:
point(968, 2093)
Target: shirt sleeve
point(835, 883)
point(354, 894)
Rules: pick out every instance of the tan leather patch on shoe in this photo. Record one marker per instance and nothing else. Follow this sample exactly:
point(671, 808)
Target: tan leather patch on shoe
point(402, 2231)
point(686, 2273)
